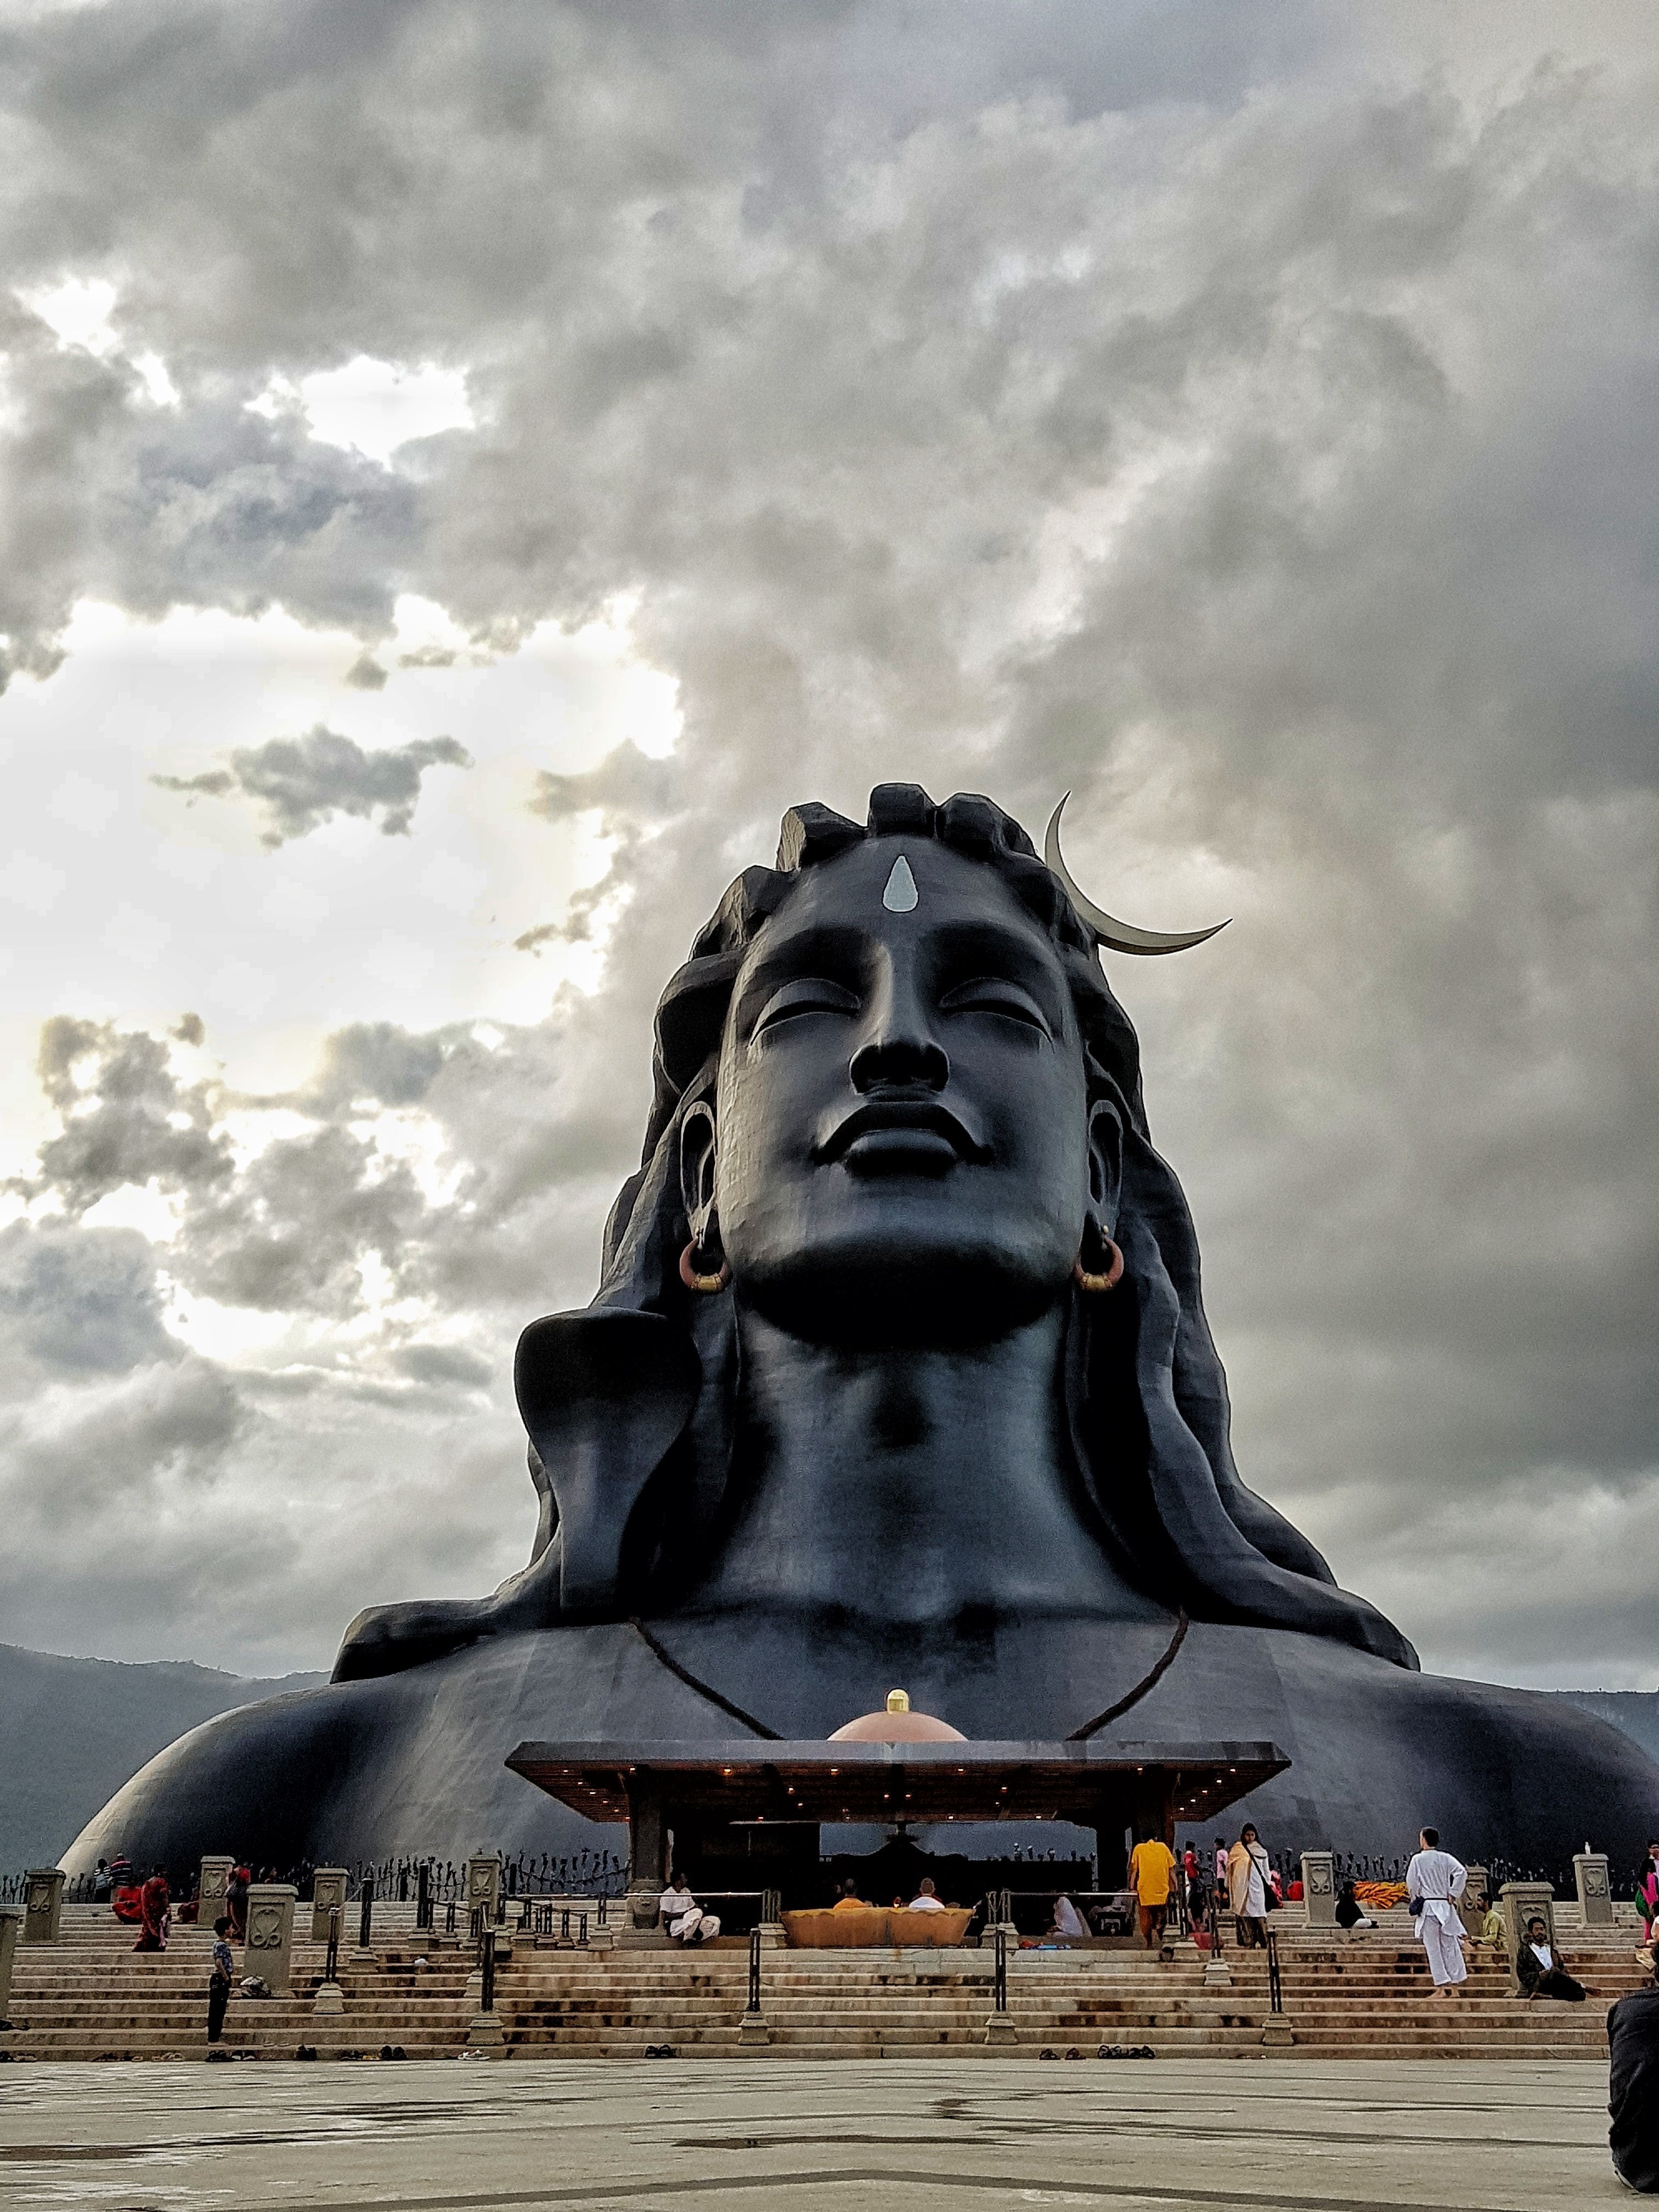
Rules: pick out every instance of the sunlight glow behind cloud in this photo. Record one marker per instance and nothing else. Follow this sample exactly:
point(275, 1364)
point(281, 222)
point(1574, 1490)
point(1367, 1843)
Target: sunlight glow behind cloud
point(372, 407)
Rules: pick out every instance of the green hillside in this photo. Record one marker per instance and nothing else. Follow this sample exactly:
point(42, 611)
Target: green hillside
point(73, 1730)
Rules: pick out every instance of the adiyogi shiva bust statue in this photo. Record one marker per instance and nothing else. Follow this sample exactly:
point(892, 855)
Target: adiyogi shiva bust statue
point(898, 1371)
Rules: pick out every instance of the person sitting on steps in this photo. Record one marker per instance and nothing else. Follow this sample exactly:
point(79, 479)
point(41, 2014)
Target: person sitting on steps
point(681, 1915)
point(1539, 1969)
point(1349, 1914)
point(1068, 1922)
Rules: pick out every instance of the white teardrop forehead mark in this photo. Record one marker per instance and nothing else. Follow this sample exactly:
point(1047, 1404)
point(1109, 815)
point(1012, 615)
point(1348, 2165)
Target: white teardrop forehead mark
point(901, 893)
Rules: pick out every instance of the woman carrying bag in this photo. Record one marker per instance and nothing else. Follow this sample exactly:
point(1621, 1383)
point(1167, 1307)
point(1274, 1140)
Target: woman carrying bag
point(1249, 1890)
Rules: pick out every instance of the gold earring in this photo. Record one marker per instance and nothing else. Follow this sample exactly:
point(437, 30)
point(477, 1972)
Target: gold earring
point(693, 1276)
point(1086, 1281)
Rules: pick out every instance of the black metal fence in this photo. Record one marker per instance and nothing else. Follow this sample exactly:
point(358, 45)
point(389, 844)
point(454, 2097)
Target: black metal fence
point(433, 1884)
point(400, 1880)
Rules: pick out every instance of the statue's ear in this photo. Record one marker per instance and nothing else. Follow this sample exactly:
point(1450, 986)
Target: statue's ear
point(697, 1155)
point(1105, 1163)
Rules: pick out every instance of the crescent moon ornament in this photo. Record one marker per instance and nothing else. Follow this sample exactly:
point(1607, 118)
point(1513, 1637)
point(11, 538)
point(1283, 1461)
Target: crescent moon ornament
point(1116, 936)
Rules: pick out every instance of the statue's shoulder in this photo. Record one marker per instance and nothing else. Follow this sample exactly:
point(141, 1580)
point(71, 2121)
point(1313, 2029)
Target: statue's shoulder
point(251, 1781)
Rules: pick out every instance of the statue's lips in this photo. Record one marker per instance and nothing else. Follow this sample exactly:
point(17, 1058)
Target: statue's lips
point(895, 1136)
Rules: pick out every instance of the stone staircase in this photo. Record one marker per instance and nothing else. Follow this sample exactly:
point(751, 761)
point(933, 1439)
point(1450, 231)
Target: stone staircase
point(91, 1996)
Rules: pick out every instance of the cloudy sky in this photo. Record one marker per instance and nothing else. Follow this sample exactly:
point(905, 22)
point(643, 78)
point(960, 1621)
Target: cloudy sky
point(466, 470)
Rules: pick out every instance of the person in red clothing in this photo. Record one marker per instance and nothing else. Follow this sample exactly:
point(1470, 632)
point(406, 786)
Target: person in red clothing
point(154, 1907)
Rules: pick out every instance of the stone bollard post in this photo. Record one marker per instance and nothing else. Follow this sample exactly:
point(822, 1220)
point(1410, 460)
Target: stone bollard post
point(483, 1887)
point(269, 1952)
point(1319, 1888)
point(211, 1886)
point(43, 1912)
point(328, 1894)
point(11, 1926)
point(1595, 1892)
point(1523, 1901)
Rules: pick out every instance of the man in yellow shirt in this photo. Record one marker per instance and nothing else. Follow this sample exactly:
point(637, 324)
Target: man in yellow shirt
point(849, 1900)
point(1151, 1873)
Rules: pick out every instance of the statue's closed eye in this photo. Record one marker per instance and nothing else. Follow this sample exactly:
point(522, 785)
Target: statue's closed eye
point(995, 995)
point(807, 994)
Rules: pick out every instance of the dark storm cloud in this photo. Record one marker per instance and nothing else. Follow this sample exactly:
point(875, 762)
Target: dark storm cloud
point(303, 782)
point(1171, 408)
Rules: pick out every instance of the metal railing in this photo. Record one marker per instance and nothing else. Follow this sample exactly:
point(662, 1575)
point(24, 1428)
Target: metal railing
point(538, 1919)
point(1275, 1986)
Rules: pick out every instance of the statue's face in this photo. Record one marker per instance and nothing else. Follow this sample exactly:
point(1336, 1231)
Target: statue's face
point(903, 1143)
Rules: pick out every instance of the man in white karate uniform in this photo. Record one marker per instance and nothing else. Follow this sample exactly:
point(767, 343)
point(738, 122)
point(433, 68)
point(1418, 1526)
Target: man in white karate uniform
point(1438, 1879)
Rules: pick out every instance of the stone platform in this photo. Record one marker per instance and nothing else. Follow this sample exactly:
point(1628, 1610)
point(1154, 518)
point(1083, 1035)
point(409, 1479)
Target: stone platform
point(939, 2136)
point(90, 1996)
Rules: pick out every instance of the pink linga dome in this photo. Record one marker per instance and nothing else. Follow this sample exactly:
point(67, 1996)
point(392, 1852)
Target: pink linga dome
point(897, 1724)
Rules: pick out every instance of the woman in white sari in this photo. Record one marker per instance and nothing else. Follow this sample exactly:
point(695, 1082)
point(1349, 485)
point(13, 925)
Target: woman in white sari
point(1248, 1872)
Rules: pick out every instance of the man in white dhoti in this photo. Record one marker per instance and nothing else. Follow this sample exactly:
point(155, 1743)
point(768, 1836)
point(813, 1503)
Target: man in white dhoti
point(1435, 1880)
point(681, 1915)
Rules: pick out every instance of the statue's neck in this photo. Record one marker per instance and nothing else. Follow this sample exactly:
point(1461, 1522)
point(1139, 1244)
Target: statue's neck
point(913, 1486)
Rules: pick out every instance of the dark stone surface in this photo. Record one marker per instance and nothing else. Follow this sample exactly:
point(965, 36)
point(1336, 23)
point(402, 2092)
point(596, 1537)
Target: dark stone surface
point(363, 1769)
point(915, 1430)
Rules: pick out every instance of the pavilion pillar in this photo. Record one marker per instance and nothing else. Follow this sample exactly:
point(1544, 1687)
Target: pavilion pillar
point(647, 1847)
point(1111, 1859)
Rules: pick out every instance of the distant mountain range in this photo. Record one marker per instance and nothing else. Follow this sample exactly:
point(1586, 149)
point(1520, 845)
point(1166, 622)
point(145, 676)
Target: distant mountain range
point(73, 1730)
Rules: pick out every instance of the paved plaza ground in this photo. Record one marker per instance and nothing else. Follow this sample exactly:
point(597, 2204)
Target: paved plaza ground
point(1264, 2136)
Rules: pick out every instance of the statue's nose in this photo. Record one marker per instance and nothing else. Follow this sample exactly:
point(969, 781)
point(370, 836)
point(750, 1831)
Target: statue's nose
point(901, 1049)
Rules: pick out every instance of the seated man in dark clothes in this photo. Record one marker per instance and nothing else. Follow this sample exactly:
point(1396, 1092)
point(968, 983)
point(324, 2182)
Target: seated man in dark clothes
point(1539, 1970)
point(1633, 2084)
point(1350, 1913)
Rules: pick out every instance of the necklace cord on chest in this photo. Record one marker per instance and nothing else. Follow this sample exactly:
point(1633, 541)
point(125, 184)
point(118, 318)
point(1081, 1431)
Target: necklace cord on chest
point(1116, 1711)
point(759, 1727)
point(702, 1689)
